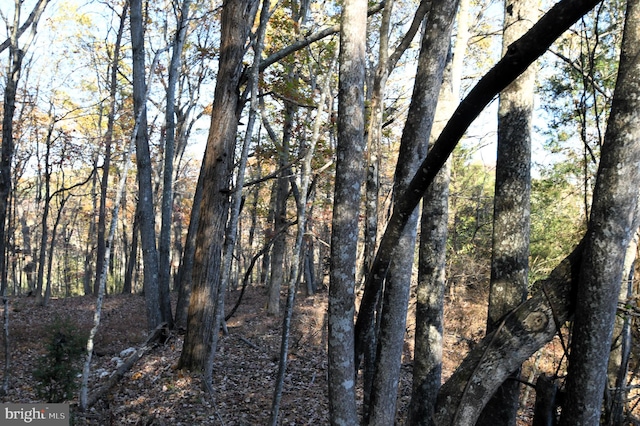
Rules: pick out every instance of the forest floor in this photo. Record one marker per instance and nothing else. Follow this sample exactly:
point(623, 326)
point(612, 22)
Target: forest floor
point(154, 392)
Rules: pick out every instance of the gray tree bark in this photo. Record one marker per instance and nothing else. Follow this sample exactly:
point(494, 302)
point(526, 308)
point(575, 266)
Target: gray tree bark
point(618, 367)
point(611, 228)
point(427, 364)
point(106, 162)
point(164, 243)
point(154, 308)
point(344, 235)
point(413, 147)
point(511, 216)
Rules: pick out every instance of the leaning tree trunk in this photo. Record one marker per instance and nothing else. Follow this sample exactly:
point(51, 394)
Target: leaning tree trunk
point(511, 215)
point(413, 147)
point(237, 20)
point(427, 367)
point(611, 227)
point(344, 234)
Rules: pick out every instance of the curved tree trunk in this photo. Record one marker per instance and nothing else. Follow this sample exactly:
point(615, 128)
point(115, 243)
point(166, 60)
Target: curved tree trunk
point(415, 138)
point(611, 227)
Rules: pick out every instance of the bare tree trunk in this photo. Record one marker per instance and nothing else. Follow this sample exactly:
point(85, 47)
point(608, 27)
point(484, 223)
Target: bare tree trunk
point(427, 367)
point(44, 237)
point(413, 148)
point(611, 228)
point(164, 245)
point(344, 234)
point(280, 215)
point(618, 366)
point(511, 217)
point(185, 270)
point(106, 162)
point(202, 325)
point(154, 305)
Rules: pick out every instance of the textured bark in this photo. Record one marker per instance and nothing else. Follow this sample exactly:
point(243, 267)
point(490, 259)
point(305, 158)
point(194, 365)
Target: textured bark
point(521, 333)
point(164, 242)
point(413, 147)
point(344, 236)
point(427, 365)
point(185, 270)
point(519, 56)
point(618, 366)
point(511, 214)
point(202, 327)
point(611, 227)
point(143, 162)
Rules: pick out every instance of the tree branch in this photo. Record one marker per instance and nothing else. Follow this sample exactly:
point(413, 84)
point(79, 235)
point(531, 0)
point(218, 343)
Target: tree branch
point(520, 55)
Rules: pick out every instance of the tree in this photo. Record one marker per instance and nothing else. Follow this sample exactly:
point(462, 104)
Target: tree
point(203, 320)
point(413, 146)
point(511, 217)
point(611, 227)
point(156, 307)
point(344, 231)
point(164, 249)
point(108, 139)
point(427, 367)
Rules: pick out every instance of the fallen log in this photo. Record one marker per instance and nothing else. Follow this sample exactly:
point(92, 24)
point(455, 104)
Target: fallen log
point(158, 335)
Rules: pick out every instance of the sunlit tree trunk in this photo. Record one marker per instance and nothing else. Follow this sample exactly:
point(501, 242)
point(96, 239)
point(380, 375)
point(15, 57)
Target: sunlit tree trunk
point(611, 228)
point(414, 143)
point(344, 234)
point(427, 368)
point(511, 216)
point(202, 327)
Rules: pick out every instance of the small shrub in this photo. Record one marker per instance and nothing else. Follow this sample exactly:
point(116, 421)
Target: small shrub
point(58, 368)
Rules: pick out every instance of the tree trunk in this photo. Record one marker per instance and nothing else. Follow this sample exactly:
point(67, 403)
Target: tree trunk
point(611, 228)
point(132, 259)
point(280, 215)
point(344, 234)
point(618, 366)
point(44, 237)
point(202, 327)
point(164, 245)
point(154, 305)
point(185, 270)
point(511, 216)
point(413, 147)
point(427, 366)
point(106, 162)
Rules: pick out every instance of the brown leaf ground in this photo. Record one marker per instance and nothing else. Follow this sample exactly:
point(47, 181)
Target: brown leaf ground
point(154, 392)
